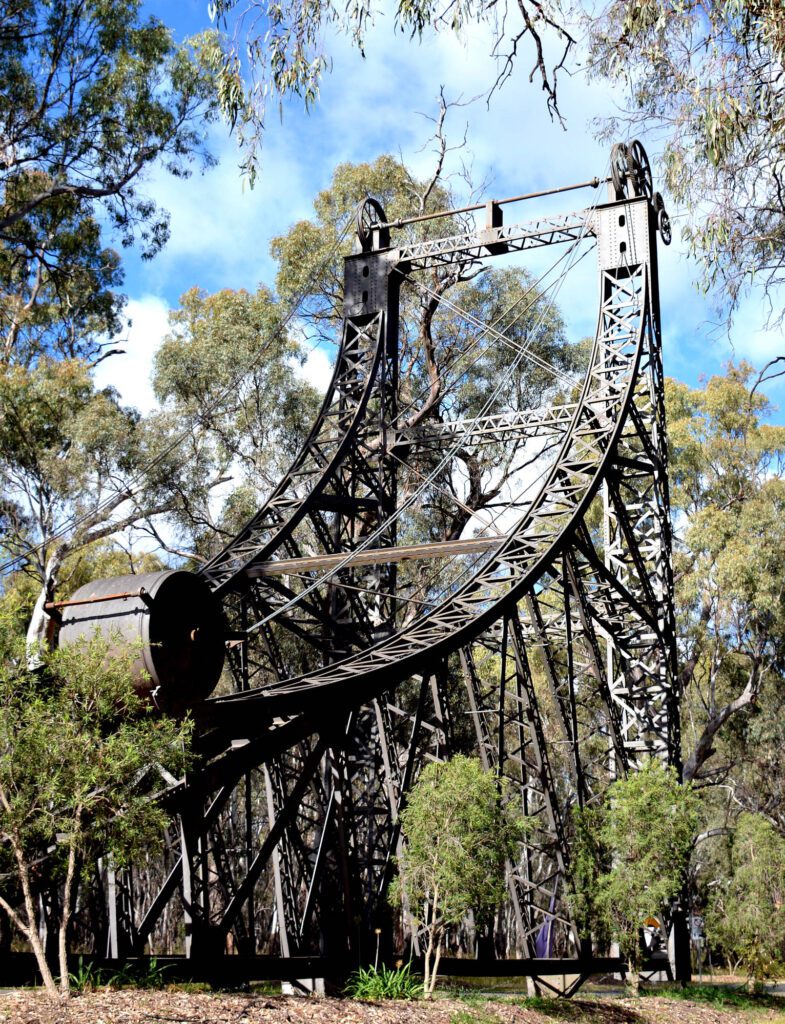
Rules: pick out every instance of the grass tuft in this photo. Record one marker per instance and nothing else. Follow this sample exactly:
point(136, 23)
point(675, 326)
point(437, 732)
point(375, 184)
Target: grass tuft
point(384, 983)
point(719, 995)
point(476, 1015)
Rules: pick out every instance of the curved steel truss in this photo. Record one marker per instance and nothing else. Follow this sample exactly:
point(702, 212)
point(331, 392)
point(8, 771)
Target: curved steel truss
point(543, 642)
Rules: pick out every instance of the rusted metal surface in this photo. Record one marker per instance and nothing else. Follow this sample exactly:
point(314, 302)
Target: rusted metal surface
point(94, 600)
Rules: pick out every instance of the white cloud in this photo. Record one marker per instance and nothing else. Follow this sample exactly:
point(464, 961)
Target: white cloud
point(130, 372)
point(317, 369)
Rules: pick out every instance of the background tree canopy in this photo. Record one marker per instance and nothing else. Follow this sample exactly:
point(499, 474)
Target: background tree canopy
point(92, 96)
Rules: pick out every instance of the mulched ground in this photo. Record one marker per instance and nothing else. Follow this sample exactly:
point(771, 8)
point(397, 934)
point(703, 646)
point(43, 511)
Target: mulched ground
point(132, 1006)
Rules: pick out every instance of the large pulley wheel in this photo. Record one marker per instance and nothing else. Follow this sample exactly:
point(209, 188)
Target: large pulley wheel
point(640, 170)
point(619, 164)
point(370, 216)
point(631, 171)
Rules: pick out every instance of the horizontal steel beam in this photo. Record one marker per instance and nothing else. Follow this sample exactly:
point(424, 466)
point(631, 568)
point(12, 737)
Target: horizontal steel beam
point(376, 556)
point(472, 245)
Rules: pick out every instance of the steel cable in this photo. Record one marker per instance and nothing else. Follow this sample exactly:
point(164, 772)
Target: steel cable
point(375, 534)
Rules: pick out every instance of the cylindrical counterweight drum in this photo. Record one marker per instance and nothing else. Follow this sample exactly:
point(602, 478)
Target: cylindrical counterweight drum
point(174, 619)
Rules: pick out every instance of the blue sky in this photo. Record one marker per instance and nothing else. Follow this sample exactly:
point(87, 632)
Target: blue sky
point(221, 229)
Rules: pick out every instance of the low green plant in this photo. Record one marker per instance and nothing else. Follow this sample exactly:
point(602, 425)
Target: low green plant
point(721, 995)
point(121, 978)
point(150, 974)
point(384, 983)
point(142, 974)
point(86, 977)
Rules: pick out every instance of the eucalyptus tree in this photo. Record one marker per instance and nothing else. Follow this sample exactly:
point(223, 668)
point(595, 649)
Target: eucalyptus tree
point(228, 372)
point(728, 487)
point(76, 467)
point(458, 834)
point(636, 847)
point(708, 80)
point(93, 96)
point(745, 916)
point(79, 756)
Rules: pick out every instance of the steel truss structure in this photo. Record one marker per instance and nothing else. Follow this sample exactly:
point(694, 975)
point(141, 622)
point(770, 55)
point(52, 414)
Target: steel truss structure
point(547, 647)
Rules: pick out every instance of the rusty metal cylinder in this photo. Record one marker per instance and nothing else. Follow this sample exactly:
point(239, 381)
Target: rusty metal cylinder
point(174, 620)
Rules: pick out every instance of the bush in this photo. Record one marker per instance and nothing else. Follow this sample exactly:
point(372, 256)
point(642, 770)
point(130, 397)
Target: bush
point(632, 854)
point(459, 831)
point(746, 912)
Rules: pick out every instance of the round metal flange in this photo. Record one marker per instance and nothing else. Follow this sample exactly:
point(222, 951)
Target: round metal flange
point(369, 215)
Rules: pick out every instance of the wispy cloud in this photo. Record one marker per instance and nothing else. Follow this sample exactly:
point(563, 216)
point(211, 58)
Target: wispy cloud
point(221, 231)
point(129, 373)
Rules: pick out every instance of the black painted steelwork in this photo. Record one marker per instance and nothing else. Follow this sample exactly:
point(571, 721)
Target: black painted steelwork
point(344, 685)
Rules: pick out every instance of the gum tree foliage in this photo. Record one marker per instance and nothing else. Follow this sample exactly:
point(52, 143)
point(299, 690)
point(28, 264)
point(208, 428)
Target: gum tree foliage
point(728, 494)
point(588, 859)
point(709, 80)
point(633, 853)
point(282, 48)
point(745, 915)
point(228, 371)
point(76, 468)
point(458, 832)
point(93, 95)
point(80, 755)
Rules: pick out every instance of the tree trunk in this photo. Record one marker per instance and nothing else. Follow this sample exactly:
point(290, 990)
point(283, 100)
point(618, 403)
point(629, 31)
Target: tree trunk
point(428, 977)
point(39, 631)
point(633, 973)
point(435, 970)
point(65, 987)
point(704, 747)
point(31, 932)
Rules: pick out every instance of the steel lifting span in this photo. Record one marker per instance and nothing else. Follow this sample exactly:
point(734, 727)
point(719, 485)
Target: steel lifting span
point(364, 637)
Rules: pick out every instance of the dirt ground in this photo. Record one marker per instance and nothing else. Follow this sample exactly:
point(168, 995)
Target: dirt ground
point(133, 1006)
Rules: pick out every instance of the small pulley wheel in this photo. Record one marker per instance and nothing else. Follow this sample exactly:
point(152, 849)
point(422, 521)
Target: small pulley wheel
point(663, 220)
point(664, 226)
point(640, 170)
point(369, 216)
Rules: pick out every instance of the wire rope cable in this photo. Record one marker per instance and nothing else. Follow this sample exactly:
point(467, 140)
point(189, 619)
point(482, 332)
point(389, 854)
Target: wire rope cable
point(447, 457)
